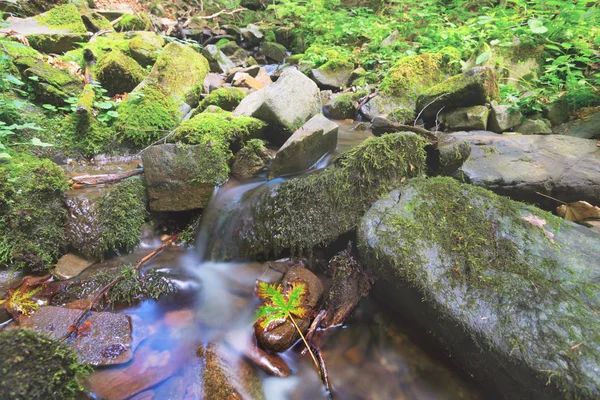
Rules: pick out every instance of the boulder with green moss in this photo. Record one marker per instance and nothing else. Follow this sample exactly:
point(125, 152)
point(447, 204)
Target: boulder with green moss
point(110, 224)
point(251, 160)
point(273, 51)
point(285, 105)
point(119, 73)
point(402, 115)
point(35, 366)
point(510, 291)
point(145, 47)
point(235, 53)
point(344, 106)
point(217, 60)
point(474, 87)
point(99, 47)
point(534, 127)
point(95, 22)
point(225, 98)
point(51, 85)
point(34, 7)
point(334, 74)
point(315, 209)
point(466, 118)
point(31, 212)
point(133, 22)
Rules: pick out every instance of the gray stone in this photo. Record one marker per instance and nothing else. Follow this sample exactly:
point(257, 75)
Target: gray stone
point(501, 119)
point(169, 173)
point(392, 39)
point(106, 341)
point(273, 51)
point(250, 161)
point(71, 265)
point(507, 289)
point(449, 155)
point(212, 82)
point(466, 118)
point(217, 60)
point(344, 106)
point(557, 111)
point(145, 47)
point(285, 105)
point(333, 77)
point(317, 137)
point(519, 166)
point(251, 35)
point(378, 106)
point(585, 128)
point(533, 127)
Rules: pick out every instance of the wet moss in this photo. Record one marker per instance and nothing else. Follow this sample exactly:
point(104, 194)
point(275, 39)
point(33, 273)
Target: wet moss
point(226, 98)
point(31, 212)
point(345, 105)
point(65, 17)
point(36, 366)
point(119, 73)
point(133, 22)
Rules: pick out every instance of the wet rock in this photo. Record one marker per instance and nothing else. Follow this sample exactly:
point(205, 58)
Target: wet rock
point(519, 166)
point(217, 60)
point(585, 128)
point(251, 35)
point(557, 111)
point(145, 47)
point(485, 272)
point(333, 75)
point(378, 106)
point(169, 172)
point(474, 87)
point(250, 160)
point(502, 119)
point(227, 376)
point(56, 31)
point(466, 118)
point(119, 73)
point(103, 338)
point(271, 363)
point(235, 53)
point(281, 336)
point(225, 98)
point(534, 127)
point(285, 105)
point(253, 4)
point(318, 208)
point(273, 51)
point(71, 265)
point(317, 137)
point(8, 280)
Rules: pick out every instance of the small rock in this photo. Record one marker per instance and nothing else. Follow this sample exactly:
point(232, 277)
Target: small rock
point(250, 160)
point(501, 119)
point(534, 127)
point(213, 82)
point(585, 128)
point(242, 79)
point(392, 39)
point(378, 106)
point(557, 111)
point(333, 75)
point(251, 35)
point(273, 51)
point(217, 60)
point(71, 265)
point(466, 118)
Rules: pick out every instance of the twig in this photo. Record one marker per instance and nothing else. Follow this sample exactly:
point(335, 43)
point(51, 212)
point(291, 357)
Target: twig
point(6, 51)
point(323, 370)
point(106, 288)
point(430, 103)
point(222, 12)
point(550, 197)
point(437, 115)
point(162, 139)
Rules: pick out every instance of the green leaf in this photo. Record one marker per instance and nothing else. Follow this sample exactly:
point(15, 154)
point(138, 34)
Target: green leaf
point(537, 26)
point(106, 105)
point(4, 156)
point(34, 78)
point(280, 303)
point(113, 114)
point(11, 79)
point(482, 58)
point(37, 142)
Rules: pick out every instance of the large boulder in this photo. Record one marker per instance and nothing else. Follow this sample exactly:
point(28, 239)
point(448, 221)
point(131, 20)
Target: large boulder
point(285, 105)
point(317, 137)
point(509, 290)
point(273, 51)
point(475, 87)
point(519, 166)
point(316, 209)
point(119, 73)
point(379, 105)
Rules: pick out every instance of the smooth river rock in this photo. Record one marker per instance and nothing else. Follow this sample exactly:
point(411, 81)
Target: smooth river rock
point(508, 290)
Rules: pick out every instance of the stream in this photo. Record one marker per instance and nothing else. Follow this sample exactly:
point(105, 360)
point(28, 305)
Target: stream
point(373, 356)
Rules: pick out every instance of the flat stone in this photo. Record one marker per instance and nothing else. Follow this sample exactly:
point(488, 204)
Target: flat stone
point(317, 137)
point(70, 265)
point(585, 128)
point(501, 119)
point(107, 340)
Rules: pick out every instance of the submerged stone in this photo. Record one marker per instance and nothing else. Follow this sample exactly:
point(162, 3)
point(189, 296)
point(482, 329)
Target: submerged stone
point(71, 265)
point(509, 290)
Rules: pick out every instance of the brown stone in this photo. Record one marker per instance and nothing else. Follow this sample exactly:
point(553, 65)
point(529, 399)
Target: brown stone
point(71, 265)
point(242, 79)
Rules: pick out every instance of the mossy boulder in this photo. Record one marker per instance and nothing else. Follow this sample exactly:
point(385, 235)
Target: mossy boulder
point(145, 47)
point(133, 22)
point(285, 105)
point(63, 18)
point(251, 160)
point(110, 224)
point(474, 87)
point(119, 73)
point(343, 106)
point(35, 366)
point(273, 51)
point(225, 98)
point(51, 85)
point(95, 22)
point(315, 209)
point(34, 7)
point(31, 212)
point(334, 74)
point(402, 115)
point(509, 290)
point(466, 118)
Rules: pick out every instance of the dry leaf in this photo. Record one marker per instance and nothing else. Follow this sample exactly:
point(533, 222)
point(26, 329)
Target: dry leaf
point(535, 221)
point(578, 211)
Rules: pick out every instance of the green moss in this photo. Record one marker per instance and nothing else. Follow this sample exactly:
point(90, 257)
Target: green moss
point(402, 115)
point(36, 366)
point(103, 45)
point(225, 98)
point(51, 85)
point(145, 47)
point(217, 127)
point(65, 17)
point(119, 73)
point(147, 116)
point(345, 105)
point(18, 49)
point(584, 97)
point(133, 22)
point(222, 42)
point(334, 65)
point(97, 21)
point(31, 212)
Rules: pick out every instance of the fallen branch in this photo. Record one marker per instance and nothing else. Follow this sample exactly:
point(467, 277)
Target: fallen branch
point(90, 180)
point(383, 125)
point(223, 12)
point(102, 292)
point(428, 104)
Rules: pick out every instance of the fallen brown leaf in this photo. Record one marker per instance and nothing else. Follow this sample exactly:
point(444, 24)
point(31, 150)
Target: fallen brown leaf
point(578, 211)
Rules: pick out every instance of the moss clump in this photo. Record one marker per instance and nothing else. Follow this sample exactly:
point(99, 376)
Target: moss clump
point(225, 98)
point(179, 72)
point(402, 115)
point(103, 45)
point(145, 47)
point(221, 127)
point(18, 49)
point(31, 212)
point(133, 22)
point(146, 116)
point(51, 85)
point(36, 366)
point(316, 209)
point(344, 106)
point(95, 21)
point(65, 17)
point(119, 73)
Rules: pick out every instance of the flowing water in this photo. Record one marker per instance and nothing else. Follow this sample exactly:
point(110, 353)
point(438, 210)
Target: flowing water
point(371, 357)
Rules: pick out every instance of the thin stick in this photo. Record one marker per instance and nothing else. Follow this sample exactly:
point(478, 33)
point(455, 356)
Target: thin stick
point(223, 12)
point(305, 343)
point(106, 288)
point(430, 103)
point(162, 139)
point(550, 197)
point(323, 371)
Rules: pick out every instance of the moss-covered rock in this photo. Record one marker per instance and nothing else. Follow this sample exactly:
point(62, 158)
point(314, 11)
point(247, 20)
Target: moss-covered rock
point(225, 98)
point(402, 115)
point(474, 87)
point(95, 22)
point(35, 366)
point(119, 73)
point(510, 290)
point(273, 51)
point(145, 47)
point(34, 7)
point(31, 212)
point(18, 49)
point(334, 74)
point(63, 18)
point(102, 45)
point(252, 159)
point(51, 85)
point(133, 22)
point(316, 209)
point(344, 106)
point(110, 224)
point(217, 60)
point(466, 118)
